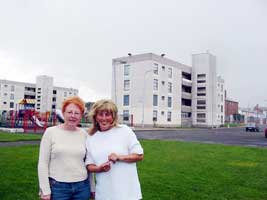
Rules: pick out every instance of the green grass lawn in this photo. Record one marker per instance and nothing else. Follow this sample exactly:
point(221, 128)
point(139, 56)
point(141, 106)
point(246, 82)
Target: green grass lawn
point(12, 137)
point(170, 171)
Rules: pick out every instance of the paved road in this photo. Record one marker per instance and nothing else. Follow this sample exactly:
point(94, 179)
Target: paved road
point(230, 136)
point(19, 143)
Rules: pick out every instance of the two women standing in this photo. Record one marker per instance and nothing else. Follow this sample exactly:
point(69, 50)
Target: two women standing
point(111, 152)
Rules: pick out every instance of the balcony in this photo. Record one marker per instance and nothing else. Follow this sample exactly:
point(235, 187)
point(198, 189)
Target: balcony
point(29, 92)
point(186, 82)
point(186, 108)
point(186, 95)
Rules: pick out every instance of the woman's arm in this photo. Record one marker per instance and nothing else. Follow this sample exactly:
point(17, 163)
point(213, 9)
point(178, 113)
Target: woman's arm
point(105, 167)
point(133, 157)
point(43, 165)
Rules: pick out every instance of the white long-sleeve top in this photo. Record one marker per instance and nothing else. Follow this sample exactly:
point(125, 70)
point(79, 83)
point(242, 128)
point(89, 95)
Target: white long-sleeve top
point(61, 157)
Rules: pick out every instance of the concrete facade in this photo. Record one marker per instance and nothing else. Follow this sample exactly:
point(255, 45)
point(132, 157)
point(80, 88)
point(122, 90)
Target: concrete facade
point(151, 90)
point(43, 94)
point(208, 92)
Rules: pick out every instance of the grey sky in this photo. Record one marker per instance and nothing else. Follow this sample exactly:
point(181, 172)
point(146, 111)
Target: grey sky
point(74, 41)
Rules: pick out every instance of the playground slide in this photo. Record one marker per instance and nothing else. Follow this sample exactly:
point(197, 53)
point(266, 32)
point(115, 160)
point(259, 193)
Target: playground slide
point(60, 116)
point(36, 121)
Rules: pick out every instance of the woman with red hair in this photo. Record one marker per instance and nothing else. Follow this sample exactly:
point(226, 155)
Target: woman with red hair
point(61, 168)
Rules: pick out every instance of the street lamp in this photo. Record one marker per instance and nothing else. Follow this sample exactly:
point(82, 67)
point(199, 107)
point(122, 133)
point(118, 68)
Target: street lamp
point(144, 97)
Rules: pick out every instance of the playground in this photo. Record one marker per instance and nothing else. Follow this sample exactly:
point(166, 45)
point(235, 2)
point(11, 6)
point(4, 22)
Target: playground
point(24, 118)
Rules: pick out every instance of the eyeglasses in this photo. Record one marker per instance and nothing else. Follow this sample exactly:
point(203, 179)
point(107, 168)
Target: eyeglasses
point(73, 113)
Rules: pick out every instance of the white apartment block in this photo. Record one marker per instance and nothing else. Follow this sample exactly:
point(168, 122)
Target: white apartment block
point(152, 90)
point(43, 95)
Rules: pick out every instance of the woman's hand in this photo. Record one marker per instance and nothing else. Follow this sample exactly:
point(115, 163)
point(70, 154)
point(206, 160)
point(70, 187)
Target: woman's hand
point(45, 197)
point(105, 167)
point(113, 157)
point(92, 195)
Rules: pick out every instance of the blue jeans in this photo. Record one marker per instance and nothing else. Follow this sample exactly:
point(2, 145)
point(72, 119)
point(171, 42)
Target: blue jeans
point(69, 191)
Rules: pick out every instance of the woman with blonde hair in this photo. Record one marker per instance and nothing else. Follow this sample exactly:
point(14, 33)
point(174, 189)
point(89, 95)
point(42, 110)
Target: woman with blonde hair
point(112, 153)
point(61, 169)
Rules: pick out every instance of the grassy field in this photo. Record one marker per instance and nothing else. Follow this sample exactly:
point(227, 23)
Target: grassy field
point(11, 137)
point(170, 170)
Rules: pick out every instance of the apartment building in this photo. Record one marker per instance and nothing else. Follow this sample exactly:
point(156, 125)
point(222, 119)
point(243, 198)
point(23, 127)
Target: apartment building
point(42, 96)
point(152, 90)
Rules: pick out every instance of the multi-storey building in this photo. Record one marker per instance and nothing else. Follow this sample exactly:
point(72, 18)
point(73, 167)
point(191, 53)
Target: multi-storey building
point(153, 90)
point(43, 96)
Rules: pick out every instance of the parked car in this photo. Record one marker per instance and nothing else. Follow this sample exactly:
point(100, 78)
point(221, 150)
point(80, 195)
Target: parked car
point(265, 131)
point(252, 127)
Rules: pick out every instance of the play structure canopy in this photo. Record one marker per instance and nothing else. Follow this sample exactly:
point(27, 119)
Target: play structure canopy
point(27, 101)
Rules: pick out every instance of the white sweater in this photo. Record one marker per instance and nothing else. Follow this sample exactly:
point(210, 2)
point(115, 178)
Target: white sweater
point(61, 157)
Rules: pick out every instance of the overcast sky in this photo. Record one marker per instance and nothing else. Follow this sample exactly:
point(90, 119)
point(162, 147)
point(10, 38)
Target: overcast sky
point(75, 40)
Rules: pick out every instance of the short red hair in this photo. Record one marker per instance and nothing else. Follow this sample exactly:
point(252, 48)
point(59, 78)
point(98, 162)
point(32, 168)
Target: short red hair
point(75, 100)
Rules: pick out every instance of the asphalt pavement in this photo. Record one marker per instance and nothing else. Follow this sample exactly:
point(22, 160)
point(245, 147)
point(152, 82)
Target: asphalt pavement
point(228, 136)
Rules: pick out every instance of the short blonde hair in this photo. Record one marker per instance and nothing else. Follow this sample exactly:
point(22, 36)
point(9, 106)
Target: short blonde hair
point(75, 100)
point(102, 105)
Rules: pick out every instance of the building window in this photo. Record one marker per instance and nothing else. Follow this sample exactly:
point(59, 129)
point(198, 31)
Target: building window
point(39, 88)
point(201, 115)
point(221, 108)
point(11, 104)
point(201, 120)
point(201, 102)
point(5, 86)
point(201, 76)
point(170, 72)
point(155, 84)
point(126, 100)
point(54, 92)
point(201, 89)
point(126, 70)
point(125, 115)
point(155, 115)
point(169, 102)
point(201, 81)
point(54, 99)
point(186, 115)
point(169, 87)
point(12, 96)
point(156, 68)
point(126, 85)
point(65, 94)
point(163, 82)
point(201, 94)
point(169, 116)
point(155, 100)
point(12, 88)
point(201, 107)
point(53, 106)
point(162, 98)
point(162, 112)
point(163, 68)
point(5, 94)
